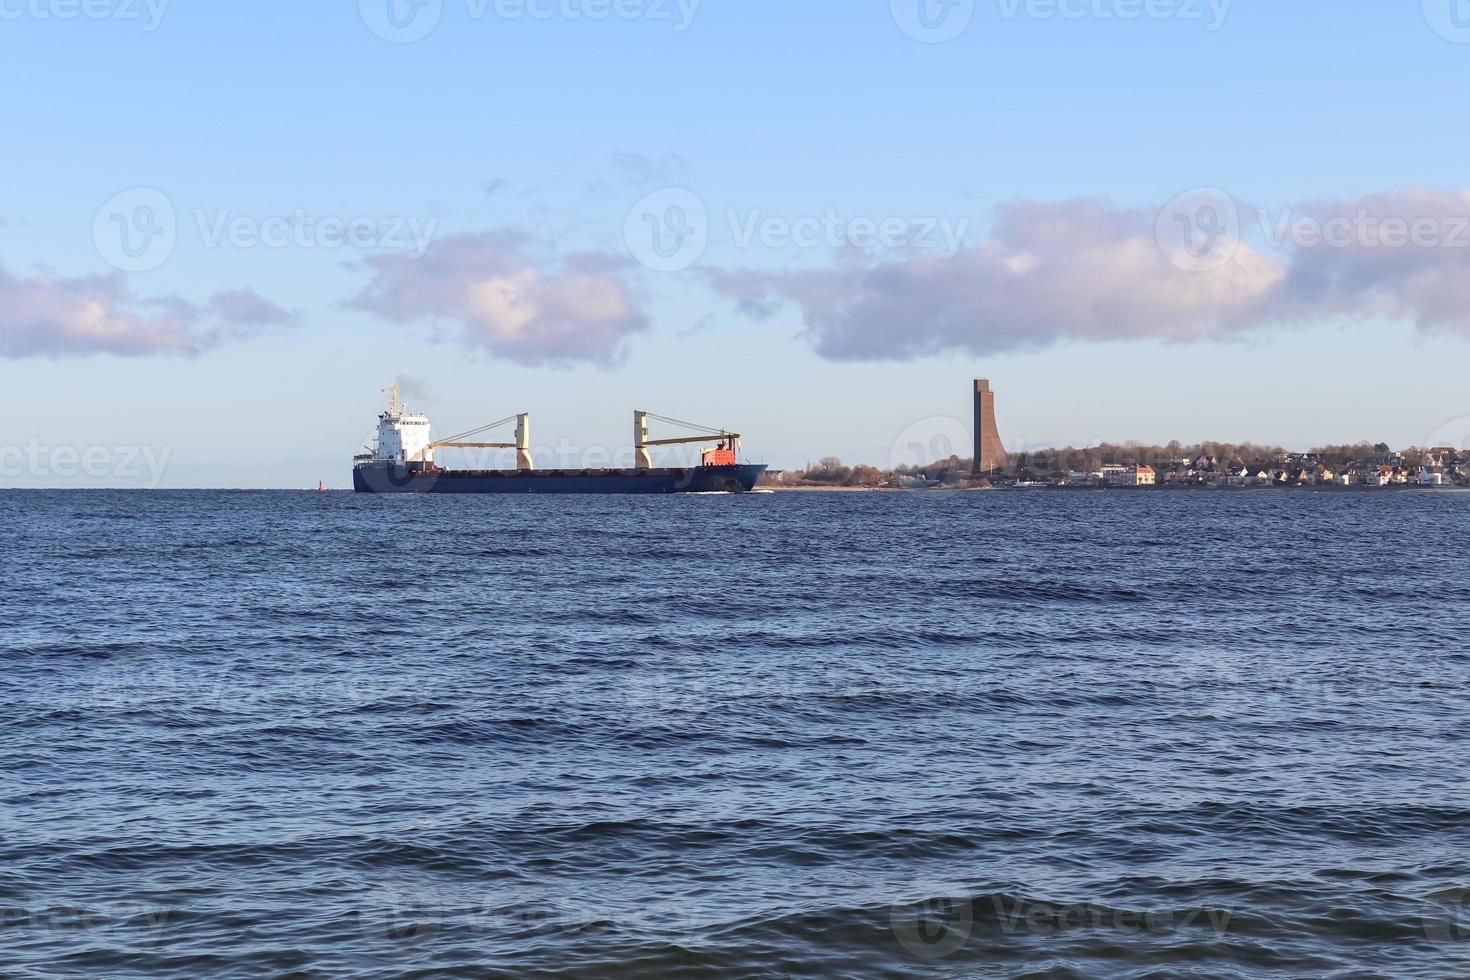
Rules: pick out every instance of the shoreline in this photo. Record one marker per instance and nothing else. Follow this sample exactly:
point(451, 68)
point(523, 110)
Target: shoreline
point(1403, 488)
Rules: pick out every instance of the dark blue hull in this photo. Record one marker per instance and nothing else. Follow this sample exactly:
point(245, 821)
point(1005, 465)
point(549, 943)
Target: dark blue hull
point(398, 478)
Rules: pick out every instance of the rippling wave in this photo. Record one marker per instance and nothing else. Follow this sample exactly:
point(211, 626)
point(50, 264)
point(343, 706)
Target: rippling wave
point(898, 735)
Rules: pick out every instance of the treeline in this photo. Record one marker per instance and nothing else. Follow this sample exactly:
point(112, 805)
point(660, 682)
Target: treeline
point(1092, 458)
point(1219, 455)
point(1043, 463)
point(831, 472)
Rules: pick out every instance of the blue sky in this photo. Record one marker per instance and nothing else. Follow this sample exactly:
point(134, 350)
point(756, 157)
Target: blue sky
point(519, 145)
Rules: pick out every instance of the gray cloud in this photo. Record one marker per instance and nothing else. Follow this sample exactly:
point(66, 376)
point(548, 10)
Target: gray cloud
point(492, 186)
point(508, 303)
point(413, 387)
point(247, 308)
point(1089, 271)
point(1418, 271)
point(57, 316)
point(638, 171)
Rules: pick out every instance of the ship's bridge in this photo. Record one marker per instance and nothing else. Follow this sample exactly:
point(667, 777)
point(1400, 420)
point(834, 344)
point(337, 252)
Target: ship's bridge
point(403, 436)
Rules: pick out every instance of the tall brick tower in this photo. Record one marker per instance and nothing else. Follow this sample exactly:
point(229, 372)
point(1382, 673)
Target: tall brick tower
point(990, 455)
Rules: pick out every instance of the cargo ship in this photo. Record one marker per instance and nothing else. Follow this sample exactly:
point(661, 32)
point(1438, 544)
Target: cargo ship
point(402, 461)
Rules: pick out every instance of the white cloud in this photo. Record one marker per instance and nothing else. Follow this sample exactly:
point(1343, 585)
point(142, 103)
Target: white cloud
point(57, 316)
point(1086, 270)
point(508, 303)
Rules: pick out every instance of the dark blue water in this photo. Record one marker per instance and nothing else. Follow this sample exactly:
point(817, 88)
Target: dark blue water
point(887, 735)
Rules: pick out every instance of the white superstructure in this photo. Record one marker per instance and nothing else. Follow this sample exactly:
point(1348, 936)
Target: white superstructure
point(403, 436)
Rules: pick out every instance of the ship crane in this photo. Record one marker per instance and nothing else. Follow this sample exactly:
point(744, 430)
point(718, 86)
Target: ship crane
point(728, 443)
point(522, 445)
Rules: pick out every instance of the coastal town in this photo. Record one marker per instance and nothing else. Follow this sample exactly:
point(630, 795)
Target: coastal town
point(1133, 466)
point(1111, 468)
point(1382, 467)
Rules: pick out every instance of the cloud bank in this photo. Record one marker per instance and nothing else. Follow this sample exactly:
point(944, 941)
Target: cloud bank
point(57, 316)
point(505, 302)
point(1403, 256)
point(1086, 270)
